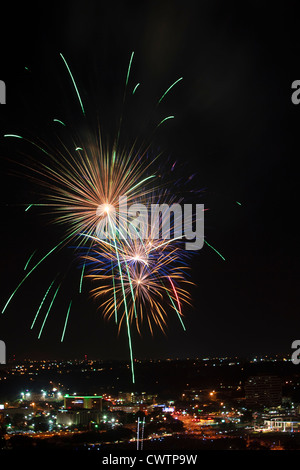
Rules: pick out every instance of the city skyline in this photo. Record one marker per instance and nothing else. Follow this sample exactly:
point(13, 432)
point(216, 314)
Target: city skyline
point(87, 405)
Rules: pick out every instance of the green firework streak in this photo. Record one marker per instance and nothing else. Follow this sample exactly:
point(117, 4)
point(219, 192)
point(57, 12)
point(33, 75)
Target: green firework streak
point(42, 303)
point(48, 311)
point(66, 321)
point(74, 83)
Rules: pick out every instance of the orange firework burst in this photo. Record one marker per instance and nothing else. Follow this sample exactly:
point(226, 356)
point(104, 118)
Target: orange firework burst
point(142, 279)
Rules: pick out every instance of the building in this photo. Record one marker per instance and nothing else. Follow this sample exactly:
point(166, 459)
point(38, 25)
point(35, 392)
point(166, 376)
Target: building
point(86, 402)
point(80, 410)
point(131, 408)
point(136, 398)
point(263, 390)
point(282, 424)
point(81, 417)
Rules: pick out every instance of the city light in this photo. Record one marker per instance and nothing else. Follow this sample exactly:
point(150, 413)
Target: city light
point(196, 413)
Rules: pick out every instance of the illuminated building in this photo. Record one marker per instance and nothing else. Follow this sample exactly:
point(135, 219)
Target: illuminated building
point(131, 408)
point(136, 398)
point(264, 390)
point(87, 402)
point(80, 410)
point(282, 425)
point(78, 417)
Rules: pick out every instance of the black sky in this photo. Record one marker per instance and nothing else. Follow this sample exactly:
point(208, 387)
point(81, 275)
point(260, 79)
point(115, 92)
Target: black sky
point(235, 127)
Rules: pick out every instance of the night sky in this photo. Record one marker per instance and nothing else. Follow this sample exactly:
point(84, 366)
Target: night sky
point(235, 127)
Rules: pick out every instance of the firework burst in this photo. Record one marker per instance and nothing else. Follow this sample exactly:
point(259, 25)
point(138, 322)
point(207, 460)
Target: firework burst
point(144, 278)
point(138, 279)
